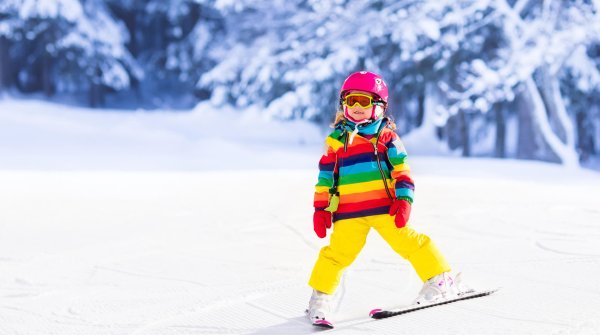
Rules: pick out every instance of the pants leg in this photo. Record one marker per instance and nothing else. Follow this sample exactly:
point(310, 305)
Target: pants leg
point(415, 247)
point(347, 240)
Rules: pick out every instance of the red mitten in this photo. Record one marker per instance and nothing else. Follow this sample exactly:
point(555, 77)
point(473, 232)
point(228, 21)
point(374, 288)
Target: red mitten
point(322, 221)
point(401, 209)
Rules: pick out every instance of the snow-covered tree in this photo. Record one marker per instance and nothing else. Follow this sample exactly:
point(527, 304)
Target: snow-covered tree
point(540, 39)
point(498, 56)
point(33, 27)
point(67, 46)
point(171, 42)
point(277, 56)
point(95, 52)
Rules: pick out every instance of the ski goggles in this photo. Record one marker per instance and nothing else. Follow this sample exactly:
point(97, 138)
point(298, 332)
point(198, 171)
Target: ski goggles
point(363, 100)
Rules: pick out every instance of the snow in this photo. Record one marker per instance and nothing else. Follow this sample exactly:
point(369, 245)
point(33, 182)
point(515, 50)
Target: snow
point(70, 9)
point(36, 135)
point(200, 223)
point(431, 29)
point(587, 74)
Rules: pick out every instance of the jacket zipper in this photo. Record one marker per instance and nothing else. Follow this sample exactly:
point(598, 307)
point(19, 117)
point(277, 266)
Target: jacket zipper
point(383, 178)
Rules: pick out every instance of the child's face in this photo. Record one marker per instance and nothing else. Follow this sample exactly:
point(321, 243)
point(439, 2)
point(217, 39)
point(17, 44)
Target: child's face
point(358, 112)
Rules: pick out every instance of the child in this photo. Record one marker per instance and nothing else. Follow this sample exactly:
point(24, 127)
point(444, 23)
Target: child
point(364, 182)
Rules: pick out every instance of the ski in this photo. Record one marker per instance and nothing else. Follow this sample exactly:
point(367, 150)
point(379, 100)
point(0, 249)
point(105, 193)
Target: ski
point(383, 313)
point(323, 324)
point(319, 323)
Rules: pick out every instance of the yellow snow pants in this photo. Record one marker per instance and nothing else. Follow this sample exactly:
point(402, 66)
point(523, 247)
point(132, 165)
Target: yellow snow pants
point(349, 237)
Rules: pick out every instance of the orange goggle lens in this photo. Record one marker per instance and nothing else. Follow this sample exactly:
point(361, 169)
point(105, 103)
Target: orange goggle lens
point(363, 100)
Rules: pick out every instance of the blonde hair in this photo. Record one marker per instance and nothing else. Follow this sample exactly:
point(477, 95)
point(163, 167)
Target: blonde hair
point(340, 117)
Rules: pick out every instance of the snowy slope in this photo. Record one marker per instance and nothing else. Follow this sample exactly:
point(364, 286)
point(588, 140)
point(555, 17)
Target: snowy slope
point(38, 135)
point(230, 252)
point(196, 250)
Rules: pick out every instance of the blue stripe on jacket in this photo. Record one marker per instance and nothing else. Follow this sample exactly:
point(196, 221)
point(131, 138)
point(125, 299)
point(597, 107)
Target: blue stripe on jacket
point(361, 168)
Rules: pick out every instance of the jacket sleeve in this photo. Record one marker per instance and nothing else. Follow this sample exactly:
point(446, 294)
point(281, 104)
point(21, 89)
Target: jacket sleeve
point(404, 185)
point(326, 172)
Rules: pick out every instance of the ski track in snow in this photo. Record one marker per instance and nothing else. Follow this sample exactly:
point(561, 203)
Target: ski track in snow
point(174, 253)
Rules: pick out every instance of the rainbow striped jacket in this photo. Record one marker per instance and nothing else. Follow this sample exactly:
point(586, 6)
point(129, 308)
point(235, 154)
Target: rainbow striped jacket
point(369, 175)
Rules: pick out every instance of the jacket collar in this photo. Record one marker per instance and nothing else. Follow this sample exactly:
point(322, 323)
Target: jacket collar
point(370, 128)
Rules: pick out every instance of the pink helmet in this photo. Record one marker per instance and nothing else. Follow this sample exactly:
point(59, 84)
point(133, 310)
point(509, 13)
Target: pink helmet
point(366, 81)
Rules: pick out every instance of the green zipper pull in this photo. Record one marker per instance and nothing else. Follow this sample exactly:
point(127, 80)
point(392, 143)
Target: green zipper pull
point(334, 202)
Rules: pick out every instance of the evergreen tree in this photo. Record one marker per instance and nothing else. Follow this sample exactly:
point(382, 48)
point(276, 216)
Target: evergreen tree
point(171, 41)
point(67, 47)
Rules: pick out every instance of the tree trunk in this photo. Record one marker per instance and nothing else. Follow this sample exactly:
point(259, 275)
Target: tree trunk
point(420, 107)
point(527, 146)
point(500, 150)
point(560, 120)
point(96, 93)
point(159, 32)
point(47, 61)
point(464, 133)
point(553, 148)
point(548, 91)
point(47, 75)
point(4, 64)
point(133, 44)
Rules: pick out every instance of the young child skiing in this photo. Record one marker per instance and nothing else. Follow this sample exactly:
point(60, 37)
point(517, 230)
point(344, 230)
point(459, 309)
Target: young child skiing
point(364, 182)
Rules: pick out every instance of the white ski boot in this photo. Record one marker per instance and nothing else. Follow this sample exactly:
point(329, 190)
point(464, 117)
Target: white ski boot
point(319, 309)
point(441, 287)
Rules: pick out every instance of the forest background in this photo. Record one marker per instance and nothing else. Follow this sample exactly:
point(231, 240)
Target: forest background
point(487, 78)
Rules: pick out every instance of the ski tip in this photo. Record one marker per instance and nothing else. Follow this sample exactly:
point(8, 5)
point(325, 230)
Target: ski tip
point(323, 324)
point(375, 311)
